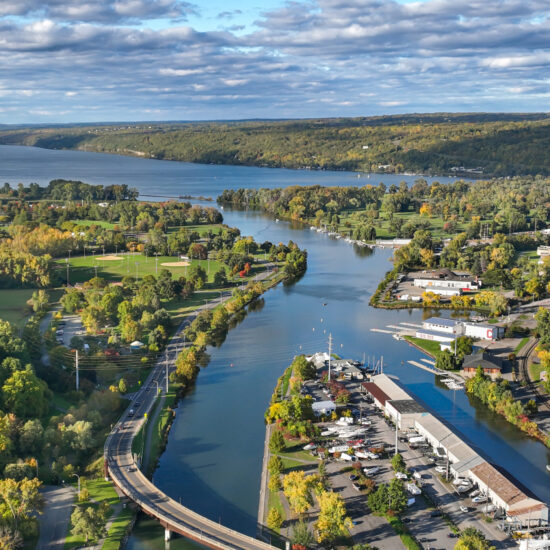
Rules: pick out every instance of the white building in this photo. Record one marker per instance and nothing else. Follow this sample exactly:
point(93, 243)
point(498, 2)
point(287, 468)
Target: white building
point(404, 412)
point(480, 331)
point(440, 324)
point(444, 278)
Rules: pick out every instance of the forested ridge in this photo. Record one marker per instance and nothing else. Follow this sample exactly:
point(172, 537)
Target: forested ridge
point(491, 144)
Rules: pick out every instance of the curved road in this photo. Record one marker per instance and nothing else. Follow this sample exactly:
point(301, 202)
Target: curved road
point(123, 470)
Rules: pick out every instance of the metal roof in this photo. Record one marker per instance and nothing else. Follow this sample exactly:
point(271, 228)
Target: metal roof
point(407, 406)
point(441, 321)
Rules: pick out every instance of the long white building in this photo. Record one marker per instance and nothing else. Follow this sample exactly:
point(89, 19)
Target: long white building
point(501, 489)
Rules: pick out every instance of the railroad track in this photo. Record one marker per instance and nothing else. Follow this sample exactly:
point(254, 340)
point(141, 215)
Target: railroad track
point(542, 397)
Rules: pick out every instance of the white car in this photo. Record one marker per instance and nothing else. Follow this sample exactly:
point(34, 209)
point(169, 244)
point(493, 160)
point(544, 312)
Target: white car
point(441, 469)
point(464, 509)
point(401, 475)
point(371, 471)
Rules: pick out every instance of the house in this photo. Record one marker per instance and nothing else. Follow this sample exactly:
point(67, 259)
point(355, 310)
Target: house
point(439, 324)
point(480, 331)
point(444, 278)
point(490, 364)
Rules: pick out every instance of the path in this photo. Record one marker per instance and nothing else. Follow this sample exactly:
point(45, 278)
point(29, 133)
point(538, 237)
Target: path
point(55, 519)
point(149, 432)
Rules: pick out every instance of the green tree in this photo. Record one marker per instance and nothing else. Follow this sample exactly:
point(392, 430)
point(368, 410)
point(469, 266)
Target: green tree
point(302, 535)
point(19, 500)
point(397, 496)
point(446, 360)
point(472, 539)
point(220, 277)
point(39, 301)
point(88, 522)
point(274, 519)
point(10, 539)
point(25, 395)
point(276, 442)
point(275, 465)
point(122, 388)
point(397, 463)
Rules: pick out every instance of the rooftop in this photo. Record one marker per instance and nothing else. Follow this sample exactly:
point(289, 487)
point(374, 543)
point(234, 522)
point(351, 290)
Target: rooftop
point(444, 274)
point(483, 359)
point(440, 321)
point(390, 386)
point(376, 392)
point(407, 406)
point(510, 493)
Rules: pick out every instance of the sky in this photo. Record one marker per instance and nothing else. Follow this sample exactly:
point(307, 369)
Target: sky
point(136, 60)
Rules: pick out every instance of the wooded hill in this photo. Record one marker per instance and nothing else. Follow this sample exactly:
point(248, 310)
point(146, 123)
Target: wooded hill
point(491, 144)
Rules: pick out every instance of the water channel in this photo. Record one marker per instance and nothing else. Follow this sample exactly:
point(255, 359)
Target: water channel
point(213, 458)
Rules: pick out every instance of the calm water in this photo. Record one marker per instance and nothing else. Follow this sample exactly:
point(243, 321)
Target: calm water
point(213, 459)
point(160, 177)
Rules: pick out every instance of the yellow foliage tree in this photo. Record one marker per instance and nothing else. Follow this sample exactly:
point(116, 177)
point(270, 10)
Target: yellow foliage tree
point(333, 520)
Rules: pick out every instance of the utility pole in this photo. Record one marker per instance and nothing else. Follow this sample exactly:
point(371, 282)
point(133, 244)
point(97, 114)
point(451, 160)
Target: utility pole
point(396, 451)
point(381, 364)
point(329, 354)
point(76, 365)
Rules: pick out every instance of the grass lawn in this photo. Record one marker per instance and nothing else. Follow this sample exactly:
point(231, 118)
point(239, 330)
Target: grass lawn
point(428, 346)
point(294, 450)
point(534, 371)
point(13, 305)
point(400, 529)
point(118, 530)
point(274, 501)
point(521, 344)
point(99, 223)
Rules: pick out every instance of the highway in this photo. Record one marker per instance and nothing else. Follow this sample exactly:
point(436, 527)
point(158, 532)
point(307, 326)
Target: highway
point(125, 474)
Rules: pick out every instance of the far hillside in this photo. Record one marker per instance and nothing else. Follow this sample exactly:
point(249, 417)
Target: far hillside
point(476, 145)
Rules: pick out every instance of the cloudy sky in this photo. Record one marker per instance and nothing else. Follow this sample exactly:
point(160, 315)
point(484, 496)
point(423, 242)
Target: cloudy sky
point(114, 60)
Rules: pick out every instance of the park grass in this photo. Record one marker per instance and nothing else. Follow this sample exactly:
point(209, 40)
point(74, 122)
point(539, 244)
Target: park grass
point(118, 529)
point(290, 464)
point(400, 529)
point(274, 501)
point(293, 449)
point(13, 305)
point(429, 347)
point(522, 343)
point(99, 223)
point(534, 371)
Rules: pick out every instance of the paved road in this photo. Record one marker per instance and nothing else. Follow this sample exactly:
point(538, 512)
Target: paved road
point(55, 519)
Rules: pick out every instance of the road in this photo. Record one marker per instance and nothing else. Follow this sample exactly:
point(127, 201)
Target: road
point(125, 474)
point(55, 519)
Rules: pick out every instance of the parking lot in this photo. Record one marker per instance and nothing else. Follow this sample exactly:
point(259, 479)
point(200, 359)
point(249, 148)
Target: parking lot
point(424, 521)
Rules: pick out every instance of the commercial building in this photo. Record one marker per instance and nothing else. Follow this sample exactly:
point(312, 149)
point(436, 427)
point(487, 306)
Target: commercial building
point(444, 330)
point(444, 278)
point(404, 412)
point(501, 489)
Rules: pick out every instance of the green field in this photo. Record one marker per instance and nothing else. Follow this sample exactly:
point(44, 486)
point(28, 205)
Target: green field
point(13, 305)
point(428, 346)
point(99, 223)
point(132, 265)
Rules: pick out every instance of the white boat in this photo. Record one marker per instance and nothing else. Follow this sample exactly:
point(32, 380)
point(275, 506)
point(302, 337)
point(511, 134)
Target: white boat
point(396, 336)
point(475, 493)
point(312, 227)
point(447, 380)
point(459, 481)
point(480, 499)
point(463, 488)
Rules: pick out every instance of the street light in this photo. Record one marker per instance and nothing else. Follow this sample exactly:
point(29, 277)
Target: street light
point(72, 475)
point(67, 262)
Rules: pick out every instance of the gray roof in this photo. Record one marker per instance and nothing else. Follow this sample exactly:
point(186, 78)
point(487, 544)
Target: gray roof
point(441, 321)
point(483, 360)
point(407, 406)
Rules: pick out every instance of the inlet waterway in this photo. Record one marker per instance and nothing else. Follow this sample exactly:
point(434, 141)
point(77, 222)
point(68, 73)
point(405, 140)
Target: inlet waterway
point(213, 458)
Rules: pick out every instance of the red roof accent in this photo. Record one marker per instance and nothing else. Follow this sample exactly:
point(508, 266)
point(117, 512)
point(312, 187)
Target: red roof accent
point(376, 392)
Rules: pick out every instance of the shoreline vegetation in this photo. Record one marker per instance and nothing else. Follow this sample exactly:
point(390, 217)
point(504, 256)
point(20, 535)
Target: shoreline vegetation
point(456, 144)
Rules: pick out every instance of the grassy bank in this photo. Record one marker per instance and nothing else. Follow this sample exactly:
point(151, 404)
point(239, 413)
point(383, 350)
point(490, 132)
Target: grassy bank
point(429, 347)
point(400, 529)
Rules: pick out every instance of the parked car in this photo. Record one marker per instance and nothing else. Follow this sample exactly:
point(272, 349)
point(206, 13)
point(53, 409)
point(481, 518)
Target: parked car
point(435, 513)
point(356, 487)
point(371, 471)
point(464, 509)
point(353, 477)
point(401, 475)
point(441, 469)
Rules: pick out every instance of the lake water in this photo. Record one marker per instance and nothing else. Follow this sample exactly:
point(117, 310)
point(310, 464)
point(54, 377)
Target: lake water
point(162, 177)
point(213, 459)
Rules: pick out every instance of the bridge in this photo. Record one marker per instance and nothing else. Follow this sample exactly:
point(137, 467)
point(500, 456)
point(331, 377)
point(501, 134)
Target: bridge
point(121, 468)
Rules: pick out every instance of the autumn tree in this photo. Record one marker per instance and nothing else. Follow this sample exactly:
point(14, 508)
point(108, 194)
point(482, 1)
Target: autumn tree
point(333, 521)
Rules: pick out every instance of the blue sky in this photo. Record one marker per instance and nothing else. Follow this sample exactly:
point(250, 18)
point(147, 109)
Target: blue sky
point(116, 60)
